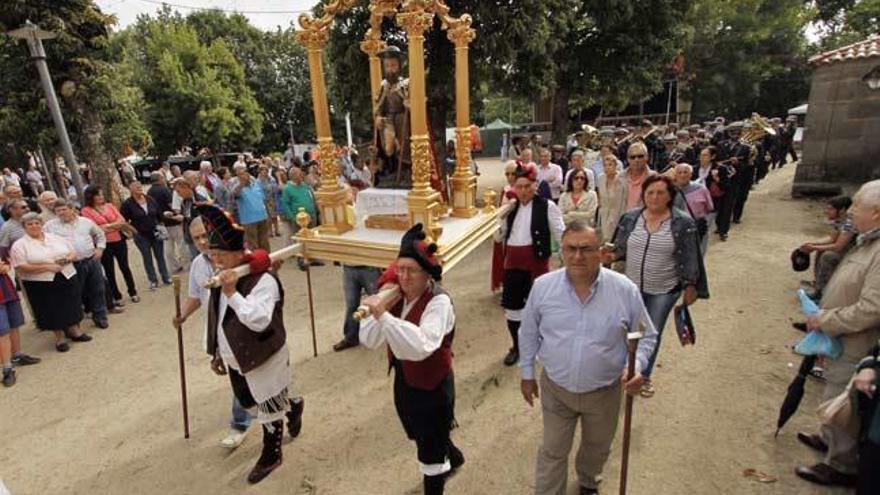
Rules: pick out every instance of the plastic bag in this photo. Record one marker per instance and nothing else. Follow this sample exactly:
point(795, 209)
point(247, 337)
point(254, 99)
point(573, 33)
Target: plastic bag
point(816, 342)
point(808, 306)
point(820, 344)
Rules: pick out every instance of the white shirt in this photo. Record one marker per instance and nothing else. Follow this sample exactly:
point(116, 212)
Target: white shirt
point(28, 250)
point(83, 234)
point(254, 312)
point(552, 175)
point(408, 341)
point(12, 179)
point(200, 271)
point(521, 232)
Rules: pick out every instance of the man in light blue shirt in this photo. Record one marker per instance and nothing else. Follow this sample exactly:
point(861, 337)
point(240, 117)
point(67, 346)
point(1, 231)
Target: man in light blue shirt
point(252, 213)
point(576, 322)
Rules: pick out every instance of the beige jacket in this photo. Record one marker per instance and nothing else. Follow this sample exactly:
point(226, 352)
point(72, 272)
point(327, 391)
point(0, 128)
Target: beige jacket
point(851, 300)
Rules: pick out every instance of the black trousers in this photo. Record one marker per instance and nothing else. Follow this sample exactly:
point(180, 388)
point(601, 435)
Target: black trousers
point(240, 389)
point(744, 180)
point(117, 252)
point(91, 280)
point(869, 473)
point(427, 416)
point(725, 210)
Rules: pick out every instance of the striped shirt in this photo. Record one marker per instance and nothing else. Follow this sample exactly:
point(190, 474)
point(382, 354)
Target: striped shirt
point(650, 260)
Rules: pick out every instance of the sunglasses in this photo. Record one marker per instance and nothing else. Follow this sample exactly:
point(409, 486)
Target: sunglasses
point(636, 156)
point(580, 178)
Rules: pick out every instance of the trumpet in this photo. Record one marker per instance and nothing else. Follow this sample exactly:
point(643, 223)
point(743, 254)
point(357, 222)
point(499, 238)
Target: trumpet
point(387, 295)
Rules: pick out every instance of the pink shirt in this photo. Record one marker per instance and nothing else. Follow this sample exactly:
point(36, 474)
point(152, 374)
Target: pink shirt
point(111, 215)
point(634, 195)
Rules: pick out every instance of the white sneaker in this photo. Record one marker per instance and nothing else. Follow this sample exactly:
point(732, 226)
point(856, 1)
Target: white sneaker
point(233, 439)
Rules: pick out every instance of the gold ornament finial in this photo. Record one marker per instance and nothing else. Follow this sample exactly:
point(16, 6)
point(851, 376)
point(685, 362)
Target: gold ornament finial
point(303, 219)
point(489, 197)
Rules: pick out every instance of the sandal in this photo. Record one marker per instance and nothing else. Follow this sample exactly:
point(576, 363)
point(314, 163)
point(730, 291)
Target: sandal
point(647, 389)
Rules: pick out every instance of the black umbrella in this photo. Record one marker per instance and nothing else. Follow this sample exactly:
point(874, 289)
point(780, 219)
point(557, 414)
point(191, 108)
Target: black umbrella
point(795, 393)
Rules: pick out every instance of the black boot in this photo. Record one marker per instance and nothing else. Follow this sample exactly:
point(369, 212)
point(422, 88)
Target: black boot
point(294, 417)
point(270, 458)
point(512, 356)
point(456, 458)
point(434, 484)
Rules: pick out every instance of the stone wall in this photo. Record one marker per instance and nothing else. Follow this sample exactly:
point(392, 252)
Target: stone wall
point(841, 146)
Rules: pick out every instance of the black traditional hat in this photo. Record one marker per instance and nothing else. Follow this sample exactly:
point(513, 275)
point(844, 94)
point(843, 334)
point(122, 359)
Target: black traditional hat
point(223, 233)
point(413, 246)
point(391, 51)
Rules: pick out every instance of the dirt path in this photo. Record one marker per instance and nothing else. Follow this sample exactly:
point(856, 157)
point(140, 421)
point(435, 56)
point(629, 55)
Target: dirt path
point(105, 417)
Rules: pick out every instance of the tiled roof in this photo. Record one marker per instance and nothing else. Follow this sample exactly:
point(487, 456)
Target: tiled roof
point(863, 49)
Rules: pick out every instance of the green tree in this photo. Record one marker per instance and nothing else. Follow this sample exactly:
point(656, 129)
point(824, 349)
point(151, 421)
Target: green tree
point(612, 53)
point(196, 92)
point(276, 71)
point(746, 56)
point(101, 105)
point(842, 22)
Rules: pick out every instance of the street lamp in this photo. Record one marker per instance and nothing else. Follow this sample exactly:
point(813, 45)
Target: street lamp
point(34, 37)
point(872, 79)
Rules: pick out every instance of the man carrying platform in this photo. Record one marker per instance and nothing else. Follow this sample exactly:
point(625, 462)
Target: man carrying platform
point(418, 327)
point(247, 338)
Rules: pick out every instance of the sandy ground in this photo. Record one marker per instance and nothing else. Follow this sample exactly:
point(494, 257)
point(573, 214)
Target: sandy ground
point(105, 417)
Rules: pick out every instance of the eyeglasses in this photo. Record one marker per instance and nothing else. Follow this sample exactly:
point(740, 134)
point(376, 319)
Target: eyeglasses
point(633, 157)
point(580, 177)
point(570, 250)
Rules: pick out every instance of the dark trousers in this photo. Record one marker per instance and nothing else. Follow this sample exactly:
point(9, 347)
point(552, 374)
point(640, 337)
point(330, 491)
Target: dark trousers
point(869, 474)
point(91, 283)
point(356, 281)
point(761, 168)
point(150, 247)
point(746, 177)
point(725, 210)
point(117, 252)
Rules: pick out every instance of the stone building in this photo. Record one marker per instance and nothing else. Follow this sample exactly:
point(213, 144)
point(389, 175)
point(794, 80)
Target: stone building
point(841, 146)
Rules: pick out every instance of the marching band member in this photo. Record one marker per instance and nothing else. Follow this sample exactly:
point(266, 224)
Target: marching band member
point(418, 327)
point(246, 336)
point(527, 231)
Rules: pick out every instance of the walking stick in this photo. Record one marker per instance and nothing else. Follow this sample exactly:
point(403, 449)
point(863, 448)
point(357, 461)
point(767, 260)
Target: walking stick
point(176, 280)
point(632, 341)
point(311, 307)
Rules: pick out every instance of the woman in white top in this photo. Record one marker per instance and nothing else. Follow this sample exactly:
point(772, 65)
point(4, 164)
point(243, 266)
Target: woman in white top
point(579, 201)
point(612, 197)
point(44, 262)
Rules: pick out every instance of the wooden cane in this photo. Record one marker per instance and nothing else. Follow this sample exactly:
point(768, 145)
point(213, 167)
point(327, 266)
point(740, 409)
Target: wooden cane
point(242, 270)
point(311, 307)
point(386, 295)
point(176, 281)
point(632, 339)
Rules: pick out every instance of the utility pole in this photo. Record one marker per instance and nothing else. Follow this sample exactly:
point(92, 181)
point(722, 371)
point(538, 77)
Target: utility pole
point(34, 36)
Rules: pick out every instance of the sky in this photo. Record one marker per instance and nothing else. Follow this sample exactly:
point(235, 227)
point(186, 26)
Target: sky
point(264, 14)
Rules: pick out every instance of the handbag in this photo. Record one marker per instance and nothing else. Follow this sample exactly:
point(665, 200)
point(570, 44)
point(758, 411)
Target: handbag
point(160, 233)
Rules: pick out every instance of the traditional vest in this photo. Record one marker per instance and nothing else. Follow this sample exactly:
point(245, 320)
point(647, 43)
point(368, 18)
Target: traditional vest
point(429, 372)
point(539, 227)
point(251, 349)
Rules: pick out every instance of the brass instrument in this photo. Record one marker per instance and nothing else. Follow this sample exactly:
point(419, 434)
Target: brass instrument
point(632, 136)
point(759, 128)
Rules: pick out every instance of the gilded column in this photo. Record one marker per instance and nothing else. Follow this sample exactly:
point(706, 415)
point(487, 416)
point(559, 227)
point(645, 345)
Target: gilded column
point(424, 202)
point(372, 45)
point(464, 183)
point(329, 197)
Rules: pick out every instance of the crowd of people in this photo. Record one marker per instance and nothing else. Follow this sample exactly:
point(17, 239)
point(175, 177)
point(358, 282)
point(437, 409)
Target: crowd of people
point(629, 214)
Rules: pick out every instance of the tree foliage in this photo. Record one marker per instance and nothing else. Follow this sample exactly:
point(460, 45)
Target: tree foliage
point(196, 91)
point(745, 56)
point(842, 22)
point(79, 60)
